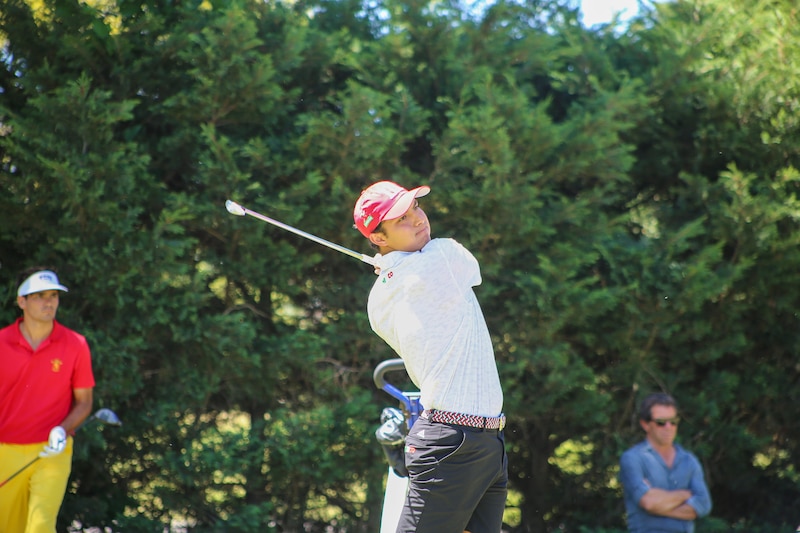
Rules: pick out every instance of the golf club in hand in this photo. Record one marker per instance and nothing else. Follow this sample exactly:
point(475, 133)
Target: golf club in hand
point(106, 416)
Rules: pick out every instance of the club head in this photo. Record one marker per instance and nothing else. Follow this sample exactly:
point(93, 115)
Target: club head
point(234, 208)
point(107, 416)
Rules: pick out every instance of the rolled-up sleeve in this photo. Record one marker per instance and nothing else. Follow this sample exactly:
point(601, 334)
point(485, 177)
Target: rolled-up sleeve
point(701, 498)
point(631, 475)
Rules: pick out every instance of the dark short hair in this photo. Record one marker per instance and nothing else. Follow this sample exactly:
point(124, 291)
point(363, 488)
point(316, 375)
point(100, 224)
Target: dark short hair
point(378, 229)
point(656, 398)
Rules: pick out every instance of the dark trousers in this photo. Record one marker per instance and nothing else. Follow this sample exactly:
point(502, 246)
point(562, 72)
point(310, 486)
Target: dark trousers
point(458, 479)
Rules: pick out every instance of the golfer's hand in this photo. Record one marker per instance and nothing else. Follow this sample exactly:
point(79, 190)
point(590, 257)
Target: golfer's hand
point(377, 268)
point(56, 443)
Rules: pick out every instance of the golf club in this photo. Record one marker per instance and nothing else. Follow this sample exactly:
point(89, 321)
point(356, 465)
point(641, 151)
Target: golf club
point(236, 209)
point(106, 416)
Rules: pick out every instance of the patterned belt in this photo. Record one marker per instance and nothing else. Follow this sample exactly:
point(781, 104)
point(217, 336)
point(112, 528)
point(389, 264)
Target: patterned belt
point(473, 421)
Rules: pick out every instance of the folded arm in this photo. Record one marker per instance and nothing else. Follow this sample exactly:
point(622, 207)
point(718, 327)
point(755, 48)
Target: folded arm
point(669, 503)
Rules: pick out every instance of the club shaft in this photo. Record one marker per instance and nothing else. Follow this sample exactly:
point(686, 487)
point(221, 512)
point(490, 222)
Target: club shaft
point(319, 240)
point(18, 472)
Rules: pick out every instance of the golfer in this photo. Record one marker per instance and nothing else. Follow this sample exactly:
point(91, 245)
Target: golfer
point(45, 393)
point(424, 307)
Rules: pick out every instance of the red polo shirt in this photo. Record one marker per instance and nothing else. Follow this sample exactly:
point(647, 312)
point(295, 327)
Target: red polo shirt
point(36, 386)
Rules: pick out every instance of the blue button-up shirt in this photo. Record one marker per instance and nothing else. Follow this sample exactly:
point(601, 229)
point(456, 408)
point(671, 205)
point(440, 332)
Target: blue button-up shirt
point(642, 462)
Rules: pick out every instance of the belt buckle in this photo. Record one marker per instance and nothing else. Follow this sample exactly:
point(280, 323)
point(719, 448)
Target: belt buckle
point(502, 422)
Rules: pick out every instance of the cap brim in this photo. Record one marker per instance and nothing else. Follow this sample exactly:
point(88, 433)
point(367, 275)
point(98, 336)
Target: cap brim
point(33, 290)
point(404, 202)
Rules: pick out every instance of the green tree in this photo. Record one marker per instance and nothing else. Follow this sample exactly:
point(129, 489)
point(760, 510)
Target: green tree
point(632, 198)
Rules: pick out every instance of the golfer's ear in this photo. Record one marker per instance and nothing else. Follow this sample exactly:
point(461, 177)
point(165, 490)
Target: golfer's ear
point(377, 238)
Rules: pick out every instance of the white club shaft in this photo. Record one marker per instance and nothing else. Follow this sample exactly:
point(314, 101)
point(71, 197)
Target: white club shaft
point(236, 209)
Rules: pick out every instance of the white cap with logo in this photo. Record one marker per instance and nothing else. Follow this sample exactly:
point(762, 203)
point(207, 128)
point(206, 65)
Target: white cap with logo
point(44, 280)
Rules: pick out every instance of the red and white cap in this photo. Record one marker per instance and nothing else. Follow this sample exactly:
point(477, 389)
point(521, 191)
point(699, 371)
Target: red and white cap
point(384, 200)
point(44, 280)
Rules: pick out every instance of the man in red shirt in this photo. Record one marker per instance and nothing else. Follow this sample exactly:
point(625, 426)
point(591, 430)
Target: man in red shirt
point(46, 384)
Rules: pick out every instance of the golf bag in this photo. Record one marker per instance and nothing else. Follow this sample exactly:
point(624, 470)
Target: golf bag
point(391, 436)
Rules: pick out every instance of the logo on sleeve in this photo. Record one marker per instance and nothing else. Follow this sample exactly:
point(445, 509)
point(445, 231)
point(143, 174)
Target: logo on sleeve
point(55, 365)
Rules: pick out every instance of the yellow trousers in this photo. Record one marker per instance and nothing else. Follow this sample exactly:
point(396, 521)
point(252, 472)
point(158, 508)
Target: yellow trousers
point(29, 503)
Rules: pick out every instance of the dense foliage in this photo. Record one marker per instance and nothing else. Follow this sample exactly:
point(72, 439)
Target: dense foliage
point(631, 195)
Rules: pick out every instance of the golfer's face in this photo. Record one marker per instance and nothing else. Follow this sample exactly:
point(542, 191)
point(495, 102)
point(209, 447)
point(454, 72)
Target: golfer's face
point(39, 306)
point(408, 233)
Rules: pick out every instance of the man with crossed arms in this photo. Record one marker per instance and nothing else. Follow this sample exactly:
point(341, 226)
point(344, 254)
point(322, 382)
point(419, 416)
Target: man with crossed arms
point(663, 484)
